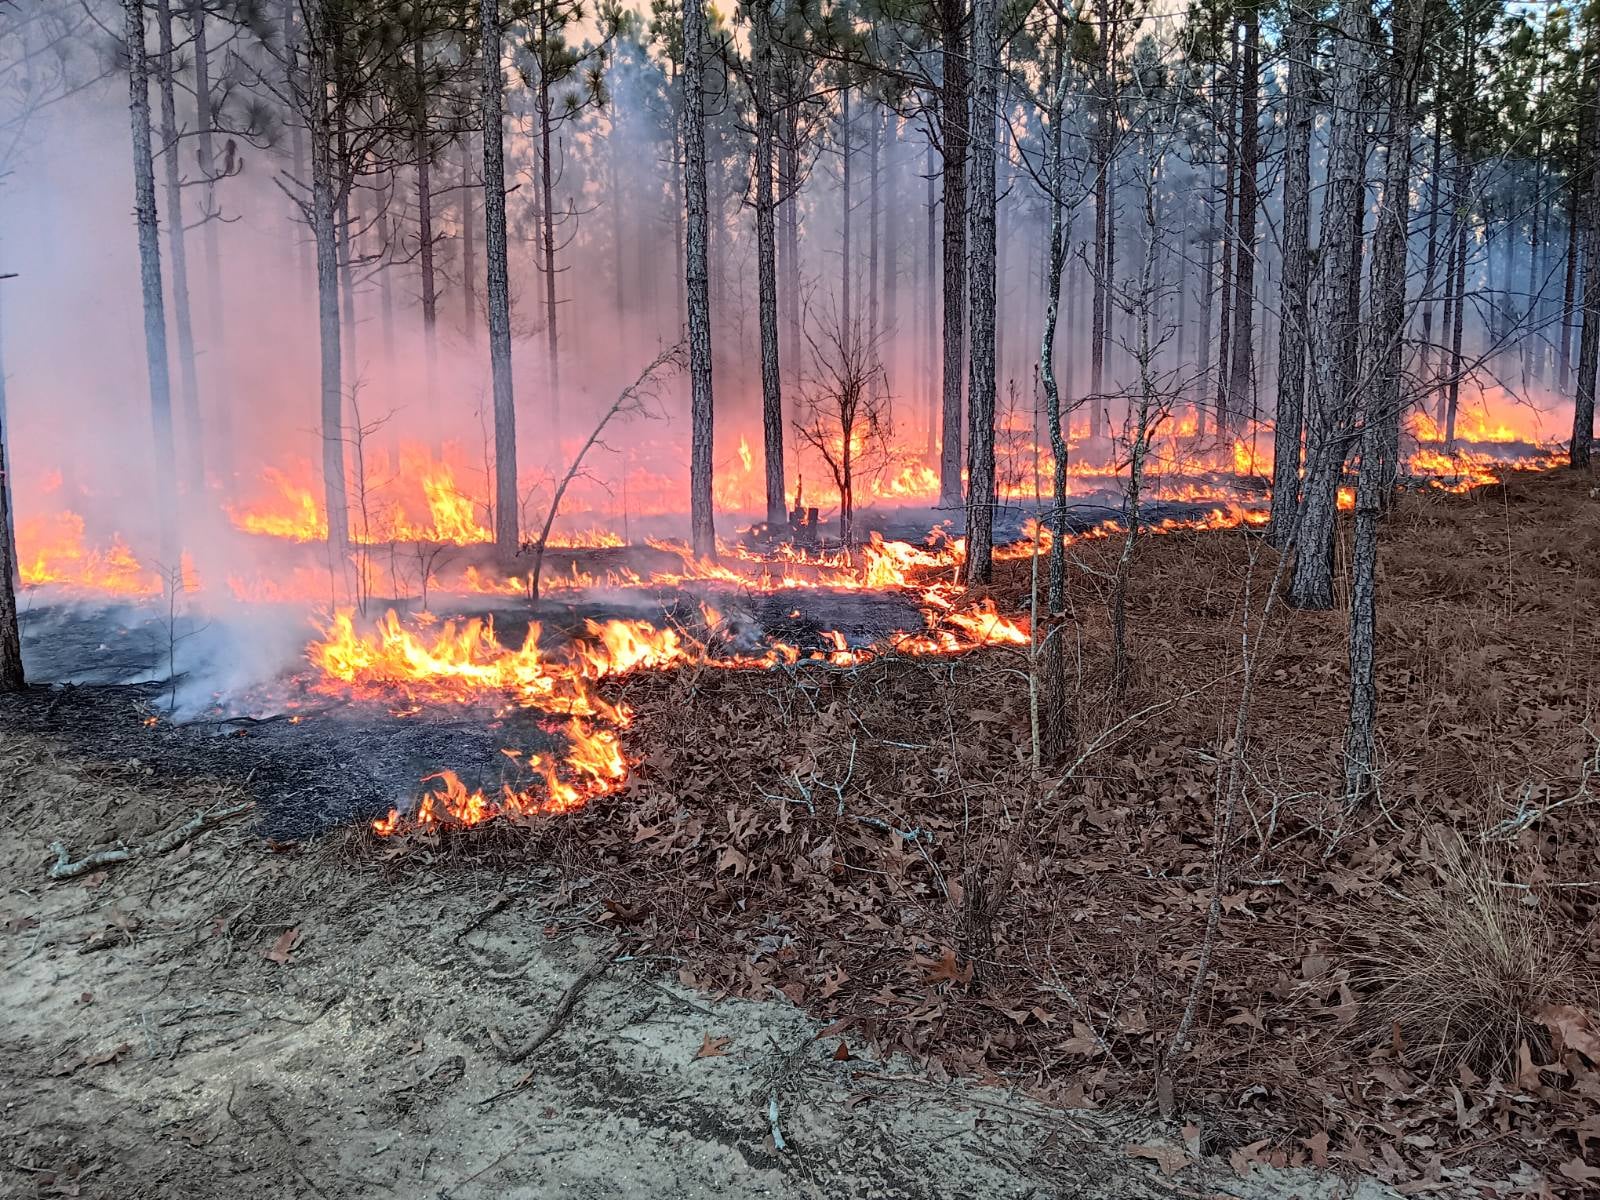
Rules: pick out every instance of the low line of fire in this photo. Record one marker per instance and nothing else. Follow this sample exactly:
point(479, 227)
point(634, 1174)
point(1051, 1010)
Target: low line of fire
point(423, 538)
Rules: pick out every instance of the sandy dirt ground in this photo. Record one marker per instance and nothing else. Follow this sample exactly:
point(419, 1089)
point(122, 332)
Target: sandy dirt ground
point(235, 1019)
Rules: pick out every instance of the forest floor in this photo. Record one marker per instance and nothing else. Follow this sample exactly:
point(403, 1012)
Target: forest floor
point(845, 893)
point(233, 1018)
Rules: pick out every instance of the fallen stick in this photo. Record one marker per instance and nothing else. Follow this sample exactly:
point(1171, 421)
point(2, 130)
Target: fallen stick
point(563, 1008)
point(65, 868)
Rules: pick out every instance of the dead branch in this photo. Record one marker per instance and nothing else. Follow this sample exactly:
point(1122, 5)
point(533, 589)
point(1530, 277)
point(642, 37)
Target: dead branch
point(65, 868)
point(562, 1010)
point(632, 399)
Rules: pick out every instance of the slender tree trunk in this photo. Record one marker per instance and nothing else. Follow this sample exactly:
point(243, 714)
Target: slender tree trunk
point(422, 154)
point(507, 502)
point(875, 174)
point(681, 275)
point(469, 256)
point(383, 232)
point(1102, 220)
point(1229, 218)
point(955, 131)
point(1054, 180)
point(1463, 188)
point(1448, 323)
point(1533, 329)
point(345, 182)
point(155, 318)
point(767, 262)
point(297, 149)
point(346, 258)
point(547, 193)
point(1001, 243)
point(981, 388)
point(325, 202)
point(1208, 275)
point(846, 308)
point(1432, 262)
point(12, 677)
point(1241, 374)
point(1569, 289)
point(1179, 360)
point(1589, 347)
point(220, 443)
point(620, 201)
point(1330, 415)
point(891, 255)
point(928, 369)
point(1294, 314)
point(788, 187)
point(1384, 403)
point(703, 537)
point(1067, 343)
point(193, 466)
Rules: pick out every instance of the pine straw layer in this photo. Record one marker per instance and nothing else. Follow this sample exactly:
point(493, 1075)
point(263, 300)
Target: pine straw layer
point(873, 844)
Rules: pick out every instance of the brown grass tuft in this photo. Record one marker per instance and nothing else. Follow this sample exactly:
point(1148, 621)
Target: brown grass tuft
point(1460, 975)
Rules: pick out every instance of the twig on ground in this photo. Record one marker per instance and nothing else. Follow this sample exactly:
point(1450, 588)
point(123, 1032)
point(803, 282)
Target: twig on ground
point(65, 868)
point(562, 1010)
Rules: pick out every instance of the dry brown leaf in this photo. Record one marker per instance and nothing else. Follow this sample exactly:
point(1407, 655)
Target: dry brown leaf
point(1579, 1171)
point(946, 970)
point(1576, 1027)
point(1318, 1146)
point(713, 1047)
point(1171, 1159)
point(283, 947)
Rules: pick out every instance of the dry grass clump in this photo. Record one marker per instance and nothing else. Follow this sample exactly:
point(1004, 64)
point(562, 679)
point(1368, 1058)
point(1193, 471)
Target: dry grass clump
point(1461, 975)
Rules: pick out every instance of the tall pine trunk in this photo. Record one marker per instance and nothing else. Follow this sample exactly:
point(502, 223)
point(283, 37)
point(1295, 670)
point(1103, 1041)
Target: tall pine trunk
point(874, 173)
point(891, 253)
point(12, 676)
point(1101, 152)
point(193, 468)
point(846, 305)
point(1241, 376)
point(767, 260)
point(1589, 347)
point(1054, 181)
point(954, 128)
point(1229, 238)
point(1384, 401)
point(422, 154)
point(788, 190)
point(927, 371)
point(1569, 288)
point(469, 256)
point(981, 387)
point(703, 537)
point(497, 292)
point(547, 206)
point(1208, 292)
point(1294, 310)
point(1460, 253)
point(325, 200)
point(1431, 263)
point(220, 443)
point(1330, 416)
point(155, 316)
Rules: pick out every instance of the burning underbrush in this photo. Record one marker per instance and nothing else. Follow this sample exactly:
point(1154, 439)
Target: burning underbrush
point(809, 777)
point(870, 839)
